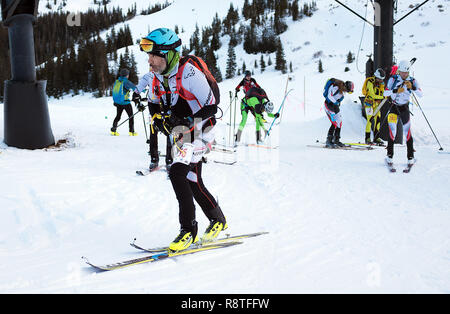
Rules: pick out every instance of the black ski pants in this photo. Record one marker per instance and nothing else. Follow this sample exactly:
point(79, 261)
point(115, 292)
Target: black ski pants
point(129, 111)
point(188, 185)
point(401, 112)
point(154, 146)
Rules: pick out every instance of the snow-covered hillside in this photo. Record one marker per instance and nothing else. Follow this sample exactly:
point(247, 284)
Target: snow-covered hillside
point(338, 221)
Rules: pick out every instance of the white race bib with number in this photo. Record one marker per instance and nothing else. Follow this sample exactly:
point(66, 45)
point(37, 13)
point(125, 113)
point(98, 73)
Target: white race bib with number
point(184, 154)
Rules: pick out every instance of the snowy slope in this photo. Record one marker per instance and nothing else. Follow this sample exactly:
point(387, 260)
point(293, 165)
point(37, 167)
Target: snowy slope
point(338, 221)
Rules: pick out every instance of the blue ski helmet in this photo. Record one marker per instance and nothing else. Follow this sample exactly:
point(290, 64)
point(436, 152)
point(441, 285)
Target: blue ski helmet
point(161, 41)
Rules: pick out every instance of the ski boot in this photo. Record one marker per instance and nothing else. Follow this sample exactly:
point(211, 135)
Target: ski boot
point(337, 136)
point(329, 143)
point(114, 131)
point(237, 137)
point(168, 164)
point(378, 141)
point(213, 230)
point(183, 241)
point(132, 133)
point(367, 139)
point(153, 163)
point(338, 143)
point(389, 161)
point(258, 138)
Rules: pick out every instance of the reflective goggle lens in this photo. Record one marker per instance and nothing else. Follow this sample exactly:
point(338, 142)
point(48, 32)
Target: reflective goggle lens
point(146, 45)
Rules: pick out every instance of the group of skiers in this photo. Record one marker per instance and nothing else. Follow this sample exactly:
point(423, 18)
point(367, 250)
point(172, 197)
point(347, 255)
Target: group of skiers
point(256, 102)
point(395, 93)
point(183, 99)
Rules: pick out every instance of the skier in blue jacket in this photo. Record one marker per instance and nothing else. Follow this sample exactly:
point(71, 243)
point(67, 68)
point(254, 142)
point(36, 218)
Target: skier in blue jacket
point(121, 97)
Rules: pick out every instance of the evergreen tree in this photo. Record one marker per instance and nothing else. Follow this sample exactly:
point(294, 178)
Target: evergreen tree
point(133, 70)
point(250, 42)
point(279, 26)
point(230, 20)
point(216, 25)
point(295, 12)
point(262, 64)
point(231, 63)
point(320, 66)
point(247, 10)
point(211, 61)
point(215, 42)
point(233, 38)
point(280, 61)
point(194, 41)
point(350, 57)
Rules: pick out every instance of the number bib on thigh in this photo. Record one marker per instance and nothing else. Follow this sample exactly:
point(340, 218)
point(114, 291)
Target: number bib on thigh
point(184, 154)
point(392, 118)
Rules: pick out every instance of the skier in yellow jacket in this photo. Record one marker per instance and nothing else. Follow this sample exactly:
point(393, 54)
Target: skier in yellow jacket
point(373, 89)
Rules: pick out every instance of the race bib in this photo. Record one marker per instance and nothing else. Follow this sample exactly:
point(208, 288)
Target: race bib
point(184, 154)
point(392, 118)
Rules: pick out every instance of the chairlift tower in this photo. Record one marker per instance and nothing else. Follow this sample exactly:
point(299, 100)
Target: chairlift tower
point(26, 116)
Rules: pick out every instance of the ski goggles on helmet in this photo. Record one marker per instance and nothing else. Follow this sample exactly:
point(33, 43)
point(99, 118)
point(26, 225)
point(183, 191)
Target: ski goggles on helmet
point(150, 46)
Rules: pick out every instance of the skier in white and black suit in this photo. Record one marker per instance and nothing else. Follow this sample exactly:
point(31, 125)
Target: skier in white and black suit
point(193, 102)
point(399, 88)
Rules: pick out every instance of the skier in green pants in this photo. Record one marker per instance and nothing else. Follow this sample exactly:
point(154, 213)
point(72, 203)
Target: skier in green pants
point(255, 101)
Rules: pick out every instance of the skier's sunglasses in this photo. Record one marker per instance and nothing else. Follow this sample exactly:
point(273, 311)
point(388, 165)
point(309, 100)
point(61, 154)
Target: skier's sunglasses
point(149, 46)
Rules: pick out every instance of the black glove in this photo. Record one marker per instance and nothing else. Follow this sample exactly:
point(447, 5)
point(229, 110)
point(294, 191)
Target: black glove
point(276, 116)
point(164, 127)
point(136, 98)
point(236, 92)
point(175, 121)
point(140, 107)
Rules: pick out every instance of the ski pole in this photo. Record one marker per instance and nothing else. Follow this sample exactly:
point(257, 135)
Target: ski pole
point(132, 115)
point(145, 127)
point(234, 119)
point(418, 105)
point(279, 109)
point(128, 119)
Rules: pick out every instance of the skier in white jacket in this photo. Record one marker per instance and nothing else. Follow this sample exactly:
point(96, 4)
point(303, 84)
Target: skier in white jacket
point(185, 88)
point(399, 88)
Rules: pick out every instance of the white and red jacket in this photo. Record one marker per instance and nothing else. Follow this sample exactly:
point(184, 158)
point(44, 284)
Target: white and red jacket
point(197, 92)
point(394, 83)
